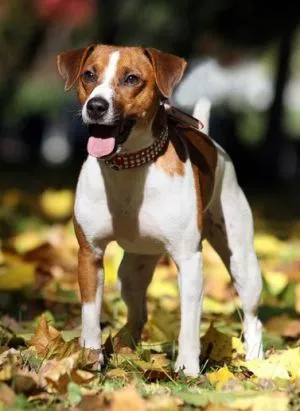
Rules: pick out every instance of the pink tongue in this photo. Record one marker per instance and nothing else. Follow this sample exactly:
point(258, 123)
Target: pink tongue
point(100, 147)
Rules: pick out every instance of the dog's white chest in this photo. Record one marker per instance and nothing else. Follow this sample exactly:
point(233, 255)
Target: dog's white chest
point(145, 210)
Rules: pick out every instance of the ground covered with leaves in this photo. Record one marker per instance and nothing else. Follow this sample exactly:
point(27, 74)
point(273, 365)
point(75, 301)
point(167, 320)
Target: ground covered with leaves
point(43, 367)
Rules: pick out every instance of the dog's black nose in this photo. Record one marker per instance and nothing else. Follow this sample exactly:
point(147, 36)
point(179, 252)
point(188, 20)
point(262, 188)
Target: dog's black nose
point(96, 107)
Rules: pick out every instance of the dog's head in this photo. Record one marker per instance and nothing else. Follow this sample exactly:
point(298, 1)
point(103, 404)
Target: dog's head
point(120, 89)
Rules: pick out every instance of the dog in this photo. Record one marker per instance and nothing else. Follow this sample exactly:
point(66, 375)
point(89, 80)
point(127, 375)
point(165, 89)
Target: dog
point(157, 185)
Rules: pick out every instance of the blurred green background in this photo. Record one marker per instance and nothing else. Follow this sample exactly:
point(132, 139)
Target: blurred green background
point(243, 55)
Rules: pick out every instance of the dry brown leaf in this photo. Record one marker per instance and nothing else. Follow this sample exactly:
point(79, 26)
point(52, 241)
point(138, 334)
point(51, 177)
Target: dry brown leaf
point(55, 375)
point(25, 381)
point(90, 403)
point(11, 355)
point(123, 400)
point(117, 373)
point(163, 403)
point(292, 329)
point(44, 334)
point(6, 372)
point(8, 361)
point(7, 396)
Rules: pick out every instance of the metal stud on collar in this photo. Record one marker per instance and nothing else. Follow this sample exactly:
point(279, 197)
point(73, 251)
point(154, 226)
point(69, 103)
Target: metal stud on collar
point(139, 158)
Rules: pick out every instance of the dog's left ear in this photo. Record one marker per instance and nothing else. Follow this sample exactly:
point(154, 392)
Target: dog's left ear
point(70, 63)
point(168, 70)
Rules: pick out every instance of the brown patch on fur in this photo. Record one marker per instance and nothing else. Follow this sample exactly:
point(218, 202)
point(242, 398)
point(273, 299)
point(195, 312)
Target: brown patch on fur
point(168, 70)
point(88, 266)
point(70, 63)
point(203, 155)
point(173, 159)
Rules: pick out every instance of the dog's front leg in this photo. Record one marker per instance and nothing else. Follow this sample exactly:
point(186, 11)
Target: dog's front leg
point(191, 294)
point(91, 281)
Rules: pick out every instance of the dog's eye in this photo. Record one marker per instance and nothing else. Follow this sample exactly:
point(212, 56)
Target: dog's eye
point(131, 80)
point(89, 76)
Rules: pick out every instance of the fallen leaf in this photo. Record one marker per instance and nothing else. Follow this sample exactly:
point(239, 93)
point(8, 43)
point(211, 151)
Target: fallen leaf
point(220, 377)
point(117, 373)
point(284, 365)
point(157, 368)
point(125, 399)
point(56, 375)
point(91, 403)
point(44, 335)
point(163, 403)
point(7, 395)
point(6, 372)
point(263, 402)
point(218, 346)
point(25, 381)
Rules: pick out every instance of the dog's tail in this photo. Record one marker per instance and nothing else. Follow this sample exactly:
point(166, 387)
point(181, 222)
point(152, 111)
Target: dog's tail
point(202, 112)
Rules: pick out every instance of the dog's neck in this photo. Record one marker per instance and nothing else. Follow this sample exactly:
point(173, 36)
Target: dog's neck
point(144, 136)
point(144, 145)
point(139, 139)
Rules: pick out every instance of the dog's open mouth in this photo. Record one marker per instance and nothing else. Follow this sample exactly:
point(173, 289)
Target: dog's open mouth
point(106, 140)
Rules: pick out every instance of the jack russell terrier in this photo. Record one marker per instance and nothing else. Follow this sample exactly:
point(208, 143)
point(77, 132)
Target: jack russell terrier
point(155, 184)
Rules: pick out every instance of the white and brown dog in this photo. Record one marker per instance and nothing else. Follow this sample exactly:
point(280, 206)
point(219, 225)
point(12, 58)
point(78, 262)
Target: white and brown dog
point(155, 185)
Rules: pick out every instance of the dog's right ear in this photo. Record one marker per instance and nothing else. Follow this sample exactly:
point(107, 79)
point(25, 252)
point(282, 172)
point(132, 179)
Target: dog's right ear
point(70, 63)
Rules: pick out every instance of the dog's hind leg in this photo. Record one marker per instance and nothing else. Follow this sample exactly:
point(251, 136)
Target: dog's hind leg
point(135, 274)
point(229, 229)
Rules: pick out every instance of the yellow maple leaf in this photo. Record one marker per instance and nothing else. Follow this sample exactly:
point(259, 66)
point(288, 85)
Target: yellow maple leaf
point(284, 365)
point(221, 377)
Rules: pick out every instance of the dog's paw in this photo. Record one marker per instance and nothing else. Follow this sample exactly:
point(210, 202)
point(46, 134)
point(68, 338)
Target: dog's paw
point(93, 344)
point(255, 351)
point(98, 357)
point(126, 338)
point(189, 366)
point(253, 341)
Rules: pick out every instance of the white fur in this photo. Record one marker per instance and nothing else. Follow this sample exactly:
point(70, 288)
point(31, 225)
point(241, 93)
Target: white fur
point(104, 90)
point(202, 113)
point(91, 333)
point(230, 210)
